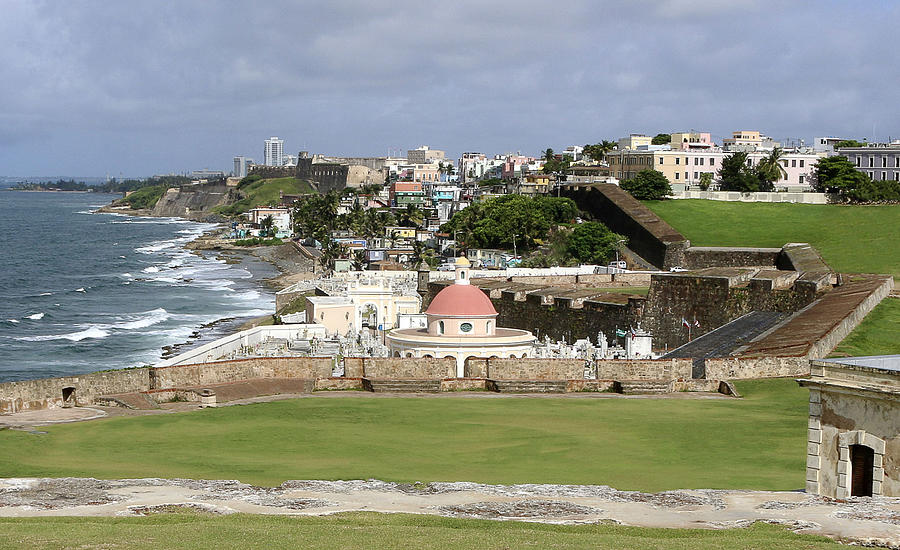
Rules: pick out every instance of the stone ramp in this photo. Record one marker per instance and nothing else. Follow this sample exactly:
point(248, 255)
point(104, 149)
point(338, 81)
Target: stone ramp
point(726, 339)
point(256, 387)
point(817, 329)
point(135, 400)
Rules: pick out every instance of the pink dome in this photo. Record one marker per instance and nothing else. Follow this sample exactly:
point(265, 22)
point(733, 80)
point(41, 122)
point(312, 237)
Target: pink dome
point(461, 301)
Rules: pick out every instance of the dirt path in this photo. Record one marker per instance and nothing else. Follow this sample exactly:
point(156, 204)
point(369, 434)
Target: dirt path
point(864, 520)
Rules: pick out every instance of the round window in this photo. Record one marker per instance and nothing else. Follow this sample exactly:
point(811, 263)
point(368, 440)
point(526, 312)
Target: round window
point(466, 327)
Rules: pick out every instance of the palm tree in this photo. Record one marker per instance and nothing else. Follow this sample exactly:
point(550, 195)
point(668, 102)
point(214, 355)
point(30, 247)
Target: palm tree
point(769, 170)
point(412, 216)
point(266, 226)
point(549, 155)
point(358, 261)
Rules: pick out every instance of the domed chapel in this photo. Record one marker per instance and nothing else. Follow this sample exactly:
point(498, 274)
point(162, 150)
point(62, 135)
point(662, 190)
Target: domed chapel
point(462, 323)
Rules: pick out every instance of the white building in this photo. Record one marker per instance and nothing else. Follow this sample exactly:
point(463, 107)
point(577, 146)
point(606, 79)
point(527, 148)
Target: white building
point(274, 152)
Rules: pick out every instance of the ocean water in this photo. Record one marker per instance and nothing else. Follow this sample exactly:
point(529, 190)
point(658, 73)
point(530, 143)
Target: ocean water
point(81, 292)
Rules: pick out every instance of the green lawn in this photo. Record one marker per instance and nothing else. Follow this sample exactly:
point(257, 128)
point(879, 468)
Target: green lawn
point(757, 442)
point(852, 239)
point(878, 334)
point(365, 531)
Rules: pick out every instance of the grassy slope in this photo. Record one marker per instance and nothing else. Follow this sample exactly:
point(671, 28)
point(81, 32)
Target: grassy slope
point(876, 335)
point(853, 239)
point(646, 444)
point(365, 531)
point(264, 192)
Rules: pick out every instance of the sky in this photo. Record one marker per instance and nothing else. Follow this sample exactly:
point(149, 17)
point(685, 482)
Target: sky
point(137, 87)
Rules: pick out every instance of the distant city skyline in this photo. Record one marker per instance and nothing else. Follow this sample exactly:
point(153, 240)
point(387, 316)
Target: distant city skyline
point(136, 88)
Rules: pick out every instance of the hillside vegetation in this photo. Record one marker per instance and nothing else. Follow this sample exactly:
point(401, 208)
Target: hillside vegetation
point(263, 192)
point(145, 197)
point(852, 239)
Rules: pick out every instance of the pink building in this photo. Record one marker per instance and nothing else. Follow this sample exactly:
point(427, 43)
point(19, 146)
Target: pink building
point(691, 141)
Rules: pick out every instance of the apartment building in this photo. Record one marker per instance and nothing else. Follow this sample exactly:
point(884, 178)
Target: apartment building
point(881, 162)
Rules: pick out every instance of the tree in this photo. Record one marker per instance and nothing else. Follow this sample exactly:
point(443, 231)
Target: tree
point(358, 260)
point(411, 216)
point(593, 243)
point(661, 139)
point(736, 175)
point(648, 185)
point(266, 226)
point(705, 180)
point(549, 154)
point(599, 151)
point(849, 143)
point(769, 170)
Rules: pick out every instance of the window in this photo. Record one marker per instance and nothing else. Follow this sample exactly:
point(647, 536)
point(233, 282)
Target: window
point(696, 161)
point(440, 327)
point(712, 161)
point(801, 180)
point(858, 161)
point(801, 163)
point(677, 160)
point(701, 161)
point(793, 163)
point(696, 175)
point(896, 162)
point(676, 175)
point(896, 176)
point(883, 176)
point(466, 327)
point(884, 162)
point(685, 175)
point(871, 162)
point(661, 160)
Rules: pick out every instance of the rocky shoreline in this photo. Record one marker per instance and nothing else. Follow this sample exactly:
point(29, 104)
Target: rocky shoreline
point(291, 266)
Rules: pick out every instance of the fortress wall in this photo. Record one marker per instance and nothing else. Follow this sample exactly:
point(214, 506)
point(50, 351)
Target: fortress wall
point(648, 235)
point(48, 392)
point(406, 368)
point(526, 369)
point(703, 257)
point(733, 368)
point(644, 369)
point(308, 368)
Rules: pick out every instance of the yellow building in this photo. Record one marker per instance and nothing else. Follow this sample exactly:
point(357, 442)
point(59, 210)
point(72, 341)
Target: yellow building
point(634, 141)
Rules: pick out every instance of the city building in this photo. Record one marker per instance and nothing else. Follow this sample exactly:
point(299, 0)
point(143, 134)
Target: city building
point(462, 323)
point(424, 155)
point(691, 141)
point(685, 168)
point(634, 141)
point(881, 162)
point(749, 140)
point(274, 152)
point(281, 219)
point(853, 440)
point(406, 192)
point(241, 166)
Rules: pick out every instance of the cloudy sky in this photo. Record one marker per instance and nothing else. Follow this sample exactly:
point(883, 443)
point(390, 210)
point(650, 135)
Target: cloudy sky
point(143, 87)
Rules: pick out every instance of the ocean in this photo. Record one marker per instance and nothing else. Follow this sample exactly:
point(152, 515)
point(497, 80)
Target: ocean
point(83, 292)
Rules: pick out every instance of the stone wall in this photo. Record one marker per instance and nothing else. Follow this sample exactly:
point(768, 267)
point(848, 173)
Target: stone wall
point(648, 235)
point(406, 368)
point(643, 369)
point(48, 392)
point(194, 202)
point(308, 368)
point(700, 257)
point(274, 171)
point(525, 369)
point(841, 330)
point(734, 368)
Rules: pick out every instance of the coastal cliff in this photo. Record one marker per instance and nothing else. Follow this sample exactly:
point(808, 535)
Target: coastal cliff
point(194, 202)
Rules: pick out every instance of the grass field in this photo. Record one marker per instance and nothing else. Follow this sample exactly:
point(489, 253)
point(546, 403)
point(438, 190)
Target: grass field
point(365, 531)
point(757, 442)
point(878, 334)
point(852, 239)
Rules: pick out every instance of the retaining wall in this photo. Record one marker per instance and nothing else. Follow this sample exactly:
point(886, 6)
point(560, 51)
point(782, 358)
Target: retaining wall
point(406, 368)
point(47, 392)
point(307, 368)
point(643, 369)
point(525, 369)
point(734, 368)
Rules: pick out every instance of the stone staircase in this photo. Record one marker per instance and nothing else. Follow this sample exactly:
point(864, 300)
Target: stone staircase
point(530, 386)
point(629, 387)
point(405, 386)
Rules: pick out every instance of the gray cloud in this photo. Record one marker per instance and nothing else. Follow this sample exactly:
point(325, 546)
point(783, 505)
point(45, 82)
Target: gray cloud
point(142, 87)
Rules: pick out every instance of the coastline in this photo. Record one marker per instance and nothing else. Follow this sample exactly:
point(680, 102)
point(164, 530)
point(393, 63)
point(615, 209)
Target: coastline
point(290, 266)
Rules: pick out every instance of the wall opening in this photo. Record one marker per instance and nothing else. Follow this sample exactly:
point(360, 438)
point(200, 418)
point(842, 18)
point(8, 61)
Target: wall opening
point(862, 463)
point(68, 397)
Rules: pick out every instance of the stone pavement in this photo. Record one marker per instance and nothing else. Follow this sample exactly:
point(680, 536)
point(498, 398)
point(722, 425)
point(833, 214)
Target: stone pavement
point(871, 521)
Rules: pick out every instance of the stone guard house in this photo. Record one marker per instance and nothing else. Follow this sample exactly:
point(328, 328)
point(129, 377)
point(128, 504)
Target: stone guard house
point(853, 447)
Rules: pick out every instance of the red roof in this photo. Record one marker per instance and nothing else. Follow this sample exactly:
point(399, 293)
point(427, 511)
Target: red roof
point(461, 301)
